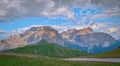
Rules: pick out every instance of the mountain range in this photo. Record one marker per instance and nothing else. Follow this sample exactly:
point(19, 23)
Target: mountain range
point(84, 39)
point(88, 40)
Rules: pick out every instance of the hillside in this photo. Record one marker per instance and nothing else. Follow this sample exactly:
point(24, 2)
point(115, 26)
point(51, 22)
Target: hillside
point(43, 48)
point(112, 54)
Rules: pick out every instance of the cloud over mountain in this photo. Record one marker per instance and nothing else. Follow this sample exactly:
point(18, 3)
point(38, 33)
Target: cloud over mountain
point(100, 15)
point(12, 9)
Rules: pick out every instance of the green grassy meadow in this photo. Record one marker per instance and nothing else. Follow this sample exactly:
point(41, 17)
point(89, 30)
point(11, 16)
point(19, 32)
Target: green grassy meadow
point(9, 60)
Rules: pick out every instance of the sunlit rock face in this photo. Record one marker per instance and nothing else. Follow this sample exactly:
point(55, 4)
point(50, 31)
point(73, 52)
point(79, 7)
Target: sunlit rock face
point(34, 35)
point(15, 41)
point(87, 40)
point(46, 32)
point(70, 34)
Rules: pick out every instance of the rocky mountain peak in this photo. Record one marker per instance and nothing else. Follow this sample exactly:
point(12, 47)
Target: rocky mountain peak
point(70, 33)
point(41, 28)
point(85, 31)
point(89, 41)
point(48, 33)
point(34, 35)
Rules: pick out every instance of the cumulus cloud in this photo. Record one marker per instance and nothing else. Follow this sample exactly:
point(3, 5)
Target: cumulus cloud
point(112, 29)
point(22, 30)
point(112, 12)
point(109, 28)
point(3, 34)
point(106, 3)
point(70, 3)
point(60, 28)
point(12, 9)
point(59, 11)
point(3, 31)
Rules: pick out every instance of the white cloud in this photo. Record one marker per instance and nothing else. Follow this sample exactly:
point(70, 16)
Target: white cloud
point(22, 30)
point(3, 34)
point(51, 4)
point(59, 11)
point(3, 13)
point(2, 31)
point(12, 9)
point(112, 29)
point(109, 28)
point(60, 28)
point(108, 13)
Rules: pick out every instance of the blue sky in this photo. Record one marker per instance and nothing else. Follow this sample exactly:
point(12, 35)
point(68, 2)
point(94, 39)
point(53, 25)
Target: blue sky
point(18, 15)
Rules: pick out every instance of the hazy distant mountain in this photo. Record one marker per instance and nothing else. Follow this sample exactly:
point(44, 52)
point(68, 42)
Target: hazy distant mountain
point(87, 40)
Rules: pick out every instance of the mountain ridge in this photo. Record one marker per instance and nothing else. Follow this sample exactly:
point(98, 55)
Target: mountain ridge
point(90, 41)
point(83, 39)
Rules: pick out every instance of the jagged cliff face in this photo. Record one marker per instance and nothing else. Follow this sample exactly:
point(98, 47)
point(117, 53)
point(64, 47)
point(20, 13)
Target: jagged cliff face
point(88, 40)
point(94, 39)
point(34, 35)
point(70, 34)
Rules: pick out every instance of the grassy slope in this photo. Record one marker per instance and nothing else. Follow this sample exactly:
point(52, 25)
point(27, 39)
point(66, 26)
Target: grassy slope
point(44, 48)
point(45, 61)
point(111, 54)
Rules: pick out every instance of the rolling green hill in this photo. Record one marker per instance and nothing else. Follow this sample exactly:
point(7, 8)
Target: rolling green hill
point(13, 60)
point(112, 54)
point(43, 48)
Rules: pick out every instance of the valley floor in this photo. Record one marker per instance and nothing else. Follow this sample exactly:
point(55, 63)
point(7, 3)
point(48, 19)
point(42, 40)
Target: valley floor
point(7, 59)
